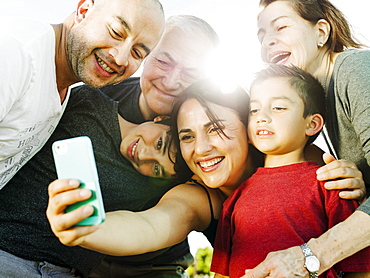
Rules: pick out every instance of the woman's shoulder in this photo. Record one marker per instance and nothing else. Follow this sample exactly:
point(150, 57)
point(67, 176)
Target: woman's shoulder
point(192, 186)
point(195, 191)
point(352, 66)
point(353, 58)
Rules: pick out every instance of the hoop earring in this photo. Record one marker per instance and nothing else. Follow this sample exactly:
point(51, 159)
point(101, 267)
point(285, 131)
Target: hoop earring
point(320, 44)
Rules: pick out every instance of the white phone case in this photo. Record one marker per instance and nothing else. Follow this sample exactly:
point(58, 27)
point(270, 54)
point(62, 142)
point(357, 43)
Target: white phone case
point(74, 159)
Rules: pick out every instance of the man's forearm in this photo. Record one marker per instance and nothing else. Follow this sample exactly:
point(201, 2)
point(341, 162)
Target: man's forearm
point(342, 241)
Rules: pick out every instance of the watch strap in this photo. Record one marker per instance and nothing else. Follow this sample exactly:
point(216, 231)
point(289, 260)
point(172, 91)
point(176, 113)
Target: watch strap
point(307, 252)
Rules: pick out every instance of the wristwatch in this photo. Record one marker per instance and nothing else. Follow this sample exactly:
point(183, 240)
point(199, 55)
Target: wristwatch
point(312, 263)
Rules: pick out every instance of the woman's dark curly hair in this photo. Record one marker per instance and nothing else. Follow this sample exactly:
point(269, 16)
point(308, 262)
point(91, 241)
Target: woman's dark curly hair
point(206, 92)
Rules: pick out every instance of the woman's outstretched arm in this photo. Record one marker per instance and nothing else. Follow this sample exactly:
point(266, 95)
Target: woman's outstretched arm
point(181, 210)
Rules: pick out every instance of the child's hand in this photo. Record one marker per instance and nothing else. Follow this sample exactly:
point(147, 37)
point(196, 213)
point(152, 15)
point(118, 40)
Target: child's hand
point(61, 194)
point(348, 178)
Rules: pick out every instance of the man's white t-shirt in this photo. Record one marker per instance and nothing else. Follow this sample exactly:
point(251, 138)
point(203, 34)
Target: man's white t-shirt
point(30, 105)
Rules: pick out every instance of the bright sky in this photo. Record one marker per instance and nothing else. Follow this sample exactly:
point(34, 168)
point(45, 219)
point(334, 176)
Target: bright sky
point(233, 20)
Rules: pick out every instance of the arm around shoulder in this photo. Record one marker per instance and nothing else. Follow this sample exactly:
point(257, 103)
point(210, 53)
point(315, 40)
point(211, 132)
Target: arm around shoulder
point(338, 243)
point(343, 240)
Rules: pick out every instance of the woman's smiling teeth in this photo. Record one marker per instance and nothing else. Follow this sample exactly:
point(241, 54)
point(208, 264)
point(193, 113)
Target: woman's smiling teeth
point(134, 149)
point(280, 58)
point(104, 65)
point(210, 163)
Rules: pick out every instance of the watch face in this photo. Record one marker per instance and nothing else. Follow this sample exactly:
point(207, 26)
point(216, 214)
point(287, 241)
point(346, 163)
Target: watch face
point(312, 264)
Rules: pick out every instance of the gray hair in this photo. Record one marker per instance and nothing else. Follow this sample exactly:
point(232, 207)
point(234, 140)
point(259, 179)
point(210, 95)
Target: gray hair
point(193, 26)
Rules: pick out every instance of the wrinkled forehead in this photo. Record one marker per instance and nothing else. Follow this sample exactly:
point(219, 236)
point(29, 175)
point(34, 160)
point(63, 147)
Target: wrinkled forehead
point(187, 50)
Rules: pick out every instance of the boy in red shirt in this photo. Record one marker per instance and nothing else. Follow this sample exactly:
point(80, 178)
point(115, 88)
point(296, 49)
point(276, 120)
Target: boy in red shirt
point(282, 204)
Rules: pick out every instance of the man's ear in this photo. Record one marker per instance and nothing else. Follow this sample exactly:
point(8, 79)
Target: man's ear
point(323, 28)
point(83, 7)
point(315, 124)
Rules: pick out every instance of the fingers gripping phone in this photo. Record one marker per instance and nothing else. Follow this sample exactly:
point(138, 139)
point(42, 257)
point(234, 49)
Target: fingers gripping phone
point(74, 159)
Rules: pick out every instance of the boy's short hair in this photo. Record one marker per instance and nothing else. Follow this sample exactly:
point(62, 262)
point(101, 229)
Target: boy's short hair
point(307, 87)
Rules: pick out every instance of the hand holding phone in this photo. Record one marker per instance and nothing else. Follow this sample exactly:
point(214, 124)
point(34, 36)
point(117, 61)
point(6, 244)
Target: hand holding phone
point(74, 159)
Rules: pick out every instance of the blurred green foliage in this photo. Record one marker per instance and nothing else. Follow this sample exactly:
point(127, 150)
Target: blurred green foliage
point(202, 263)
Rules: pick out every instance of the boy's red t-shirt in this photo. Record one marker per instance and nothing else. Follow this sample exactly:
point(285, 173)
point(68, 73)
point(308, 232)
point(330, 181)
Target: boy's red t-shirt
point(275, 209)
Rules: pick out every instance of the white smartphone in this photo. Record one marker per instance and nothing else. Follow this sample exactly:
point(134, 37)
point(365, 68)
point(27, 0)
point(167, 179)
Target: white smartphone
point(74, 159)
